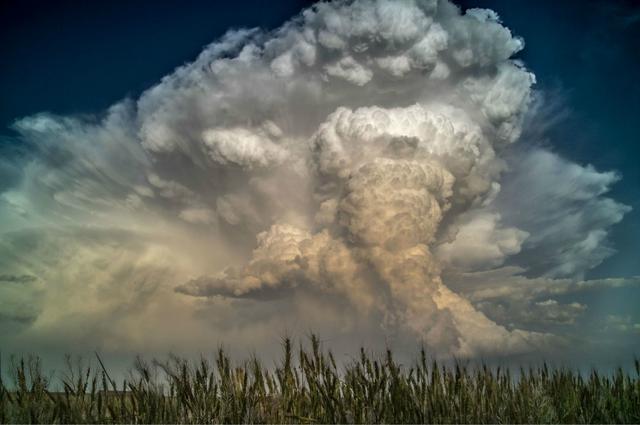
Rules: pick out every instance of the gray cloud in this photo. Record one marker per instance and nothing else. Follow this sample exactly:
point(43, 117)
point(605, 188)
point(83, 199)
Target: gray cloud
point(511, 298)
point(563, 210)
point(11, 278)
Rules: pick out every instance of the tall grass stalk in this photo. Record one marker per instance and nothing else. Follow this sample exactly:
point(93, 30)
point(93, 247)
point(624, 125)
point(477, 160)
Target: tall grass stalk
point(307, 386)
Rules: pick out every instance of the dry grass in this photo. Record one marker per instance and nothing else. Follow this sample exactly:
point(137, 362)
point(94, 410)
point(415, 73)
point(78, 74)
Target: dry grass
point(310, 388)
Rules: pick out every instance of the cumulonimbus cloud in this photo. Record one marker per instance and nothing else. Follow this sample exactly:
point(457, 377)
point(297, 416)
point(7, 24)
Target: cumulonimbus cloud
point(345, 159)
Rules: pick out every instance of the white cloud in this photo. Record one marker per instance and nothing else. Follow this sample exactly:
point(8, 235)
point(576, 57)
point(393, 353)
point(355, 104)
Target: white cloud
point(245, 147)
point(481, 243)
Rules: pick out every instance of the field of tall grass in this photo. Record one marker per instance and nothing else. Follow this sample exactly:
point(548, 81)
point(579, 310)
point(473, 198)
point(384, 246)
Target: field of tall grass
point(308, 387)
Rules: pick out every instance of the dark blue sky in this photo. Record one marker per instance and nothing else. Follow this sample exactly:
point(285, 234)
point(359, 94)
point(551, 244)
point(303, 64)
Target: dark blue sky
point(77, 57)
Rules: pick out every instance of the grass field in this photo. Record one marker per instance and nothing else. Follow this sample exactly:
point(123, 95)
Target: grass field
point(308, 387)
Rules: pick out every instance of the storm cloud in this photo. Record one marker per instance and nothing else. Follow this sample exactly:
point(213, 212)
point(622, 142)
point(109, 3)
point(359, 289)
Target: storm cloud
point(337, 174)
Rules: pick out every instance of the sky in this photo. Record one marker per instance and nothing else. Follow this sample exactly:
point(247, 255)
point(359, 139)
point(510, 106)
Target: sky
point(424, 173)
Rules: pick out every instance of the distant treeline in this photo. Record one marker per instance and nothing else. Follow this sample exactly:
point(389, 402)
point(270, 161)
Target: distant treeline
point(308, 387)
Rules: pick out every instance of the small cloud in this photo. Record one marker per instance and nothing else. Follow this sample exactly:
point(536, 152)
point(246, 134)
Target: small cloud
point(19, 279)
point(619, 323)
point(24, 319)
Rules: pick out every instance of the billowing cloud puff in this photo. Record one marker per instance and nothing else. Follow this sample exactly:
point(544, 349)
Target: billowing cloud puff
point(245, 148)
point(481, 242)
point(321, 176)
